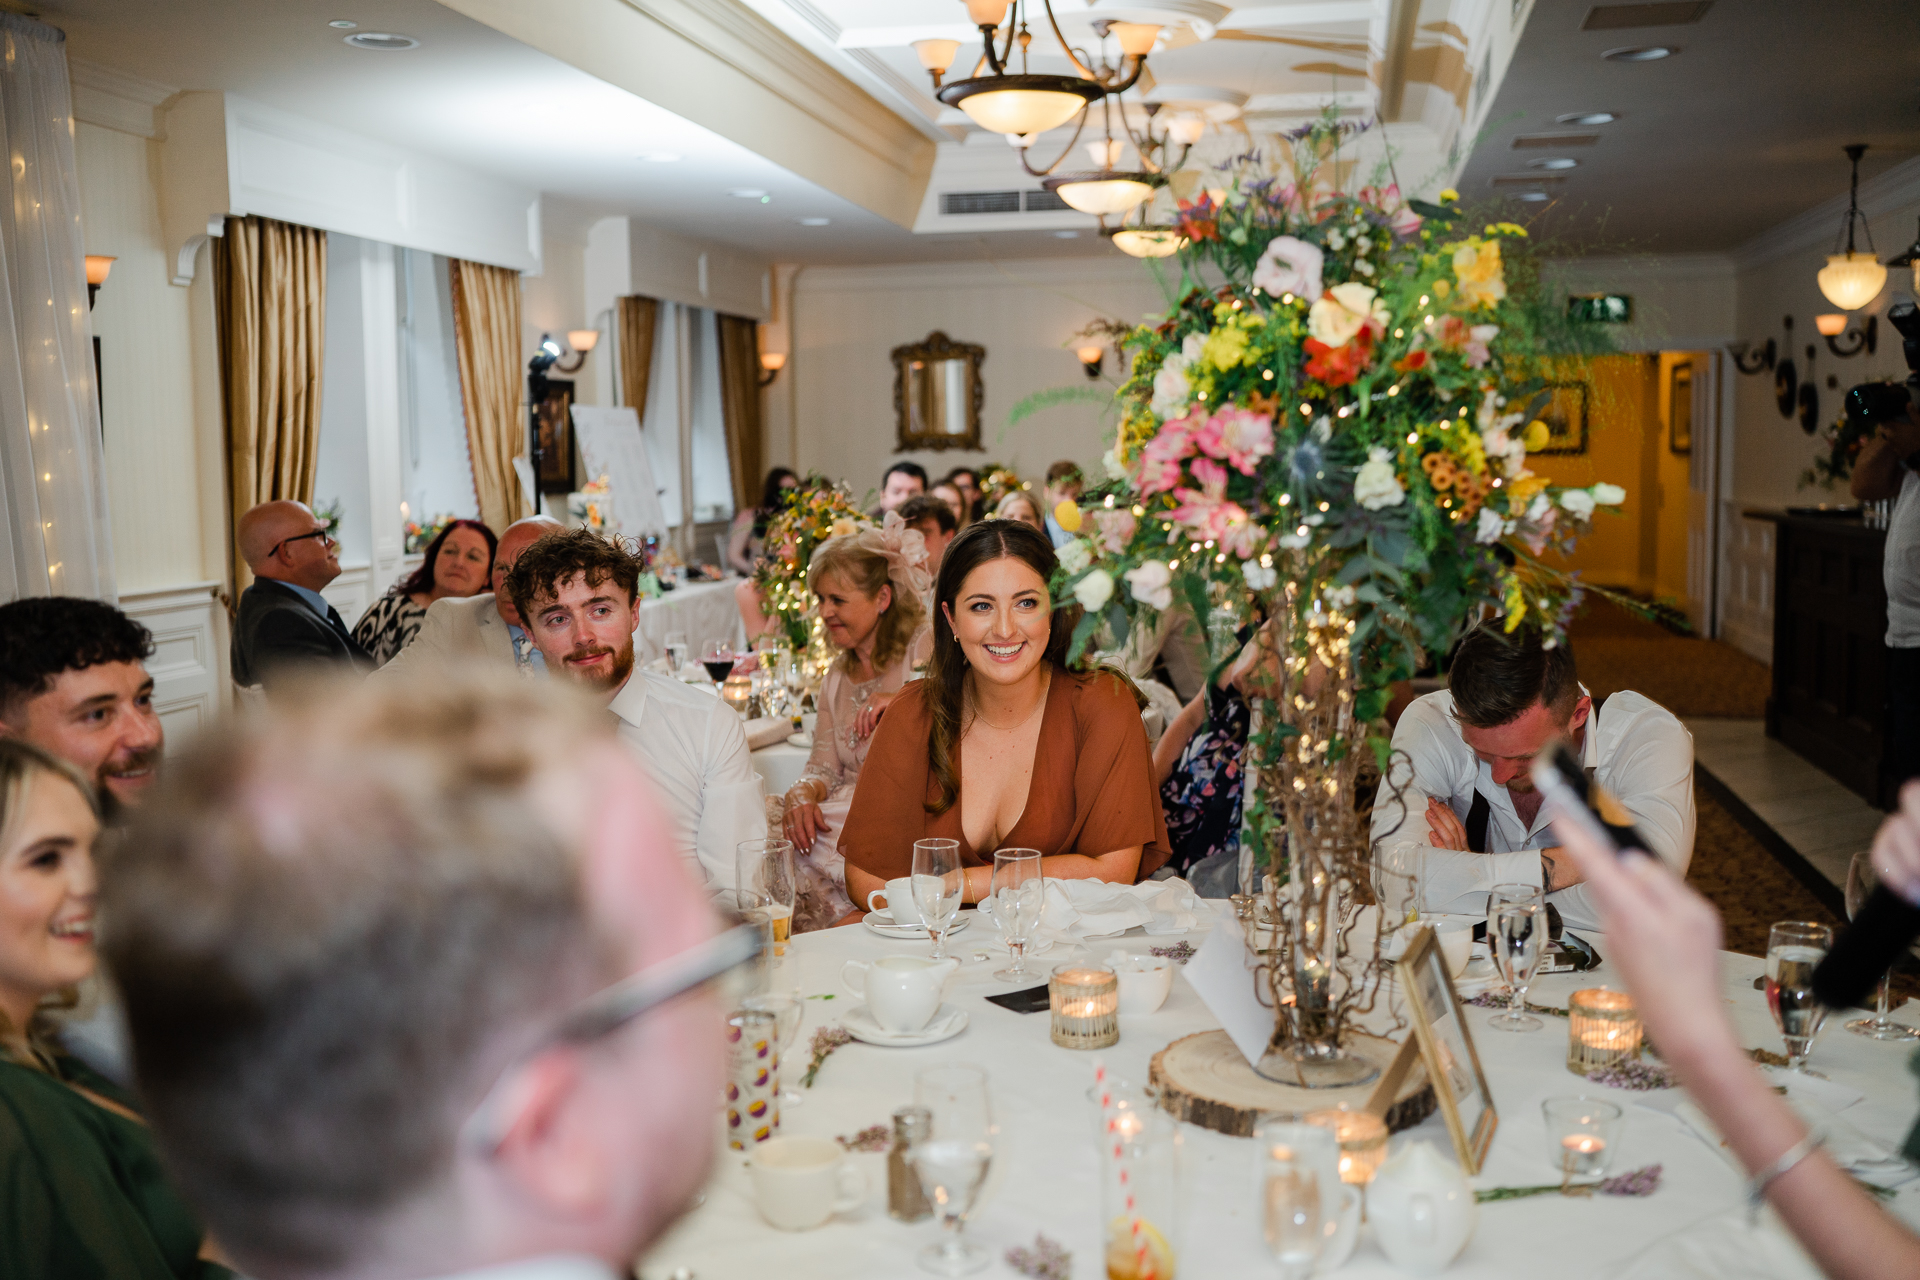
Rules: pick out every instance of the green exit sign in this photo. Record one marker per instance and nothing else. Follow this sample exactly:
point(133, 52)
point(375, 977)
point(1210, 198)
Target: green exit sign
point(1600, 308)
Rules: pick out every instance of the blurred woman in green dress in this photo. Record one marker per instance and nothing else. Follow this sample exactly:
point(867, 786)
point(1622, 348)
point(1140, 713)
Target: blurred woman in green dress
point(86, 1198)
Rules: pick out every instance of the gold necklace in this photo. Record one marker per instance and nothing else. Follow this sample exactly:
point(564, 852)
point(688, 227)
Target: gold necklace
point(979, 717)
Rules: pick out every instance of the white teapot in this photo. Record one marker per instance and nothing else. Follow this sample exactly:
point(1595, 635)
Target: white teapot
point(902, 992)
point(1421, 1208)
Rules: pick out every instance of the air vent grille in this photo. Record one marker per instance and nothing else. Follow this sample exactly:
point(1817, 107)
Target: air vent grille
point(1044, 201)
point(1554, 141)
point(1035, 201)
point(1528, 180)
point(1620, 17)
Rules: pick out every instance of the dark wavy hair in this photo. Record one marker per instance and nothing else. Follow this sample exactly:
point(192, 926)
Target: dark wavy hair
point(560, 555)
point(1496, 678)
point(773, 499)
point(422, 578)
point(42, 636)
point(946, 684)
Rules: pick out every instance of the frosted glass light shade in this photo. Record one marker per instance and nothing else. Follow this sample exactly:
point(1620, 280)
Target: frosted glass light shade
point(98, 265)
point(1831, 325)
point(1186, 130)
point(936, 55)
point(1021, 111)
point(582, 339)
point(1135, 38)
point(986, 13)
point(1852, 280)
point(1149, 242)
point(1104, 195)
point(773, 361)
point(1106, 152)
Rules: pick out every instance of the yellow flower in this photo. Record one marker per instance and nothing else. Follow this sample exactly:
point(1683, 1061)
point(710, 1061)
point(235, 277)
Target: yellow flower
point(1225, 347)
point(1067, 515)
point(1442, 287)
point(842, 527)
point(1538, 433)
point(1449, 195)
point(1477, 266)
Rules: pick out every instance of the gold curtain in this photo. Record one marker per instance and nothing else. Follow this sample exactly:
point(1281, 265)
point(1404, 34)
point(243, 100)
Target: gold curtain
point(638, 318)
point(486, 329)
point(740, 407)
point(270, 298)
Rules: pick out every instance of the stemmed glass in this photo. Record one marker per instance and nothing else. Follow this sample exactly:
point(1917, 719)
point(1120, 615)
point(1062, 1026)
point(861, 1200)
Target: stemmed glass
point(676, 647)
point(952, 1162)
point(765, 867)
point(1860, 884)
point(1019, 892)
point(1518, 932)
point(1298, 1192)
point(717, 658)
point(1794, 949)
point(939, 883)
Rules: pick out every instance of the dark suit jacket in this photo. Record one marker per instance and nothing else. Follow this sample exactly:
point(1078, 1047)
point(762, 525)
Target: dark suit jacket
point(277, 632)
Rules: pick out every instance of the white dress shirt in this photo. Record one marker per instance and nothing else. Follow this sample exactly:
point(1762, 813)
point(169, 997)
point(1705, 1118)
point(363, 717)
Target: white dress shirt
point(552, 1266)
point(1633, 746)
point(694, 748)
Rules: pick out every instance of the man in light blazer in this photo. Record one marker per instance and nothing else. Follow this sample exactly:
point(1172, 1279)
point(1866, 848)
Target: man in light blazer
point(485, 625)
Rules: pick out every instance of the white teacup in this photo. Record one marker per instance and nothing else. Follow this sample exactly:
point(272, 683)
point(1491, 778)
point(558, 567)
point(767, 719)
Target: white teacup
point(902, 992)
point(1144, 981)
point(898, 896)
point(1456, 943)
point(800, 1182)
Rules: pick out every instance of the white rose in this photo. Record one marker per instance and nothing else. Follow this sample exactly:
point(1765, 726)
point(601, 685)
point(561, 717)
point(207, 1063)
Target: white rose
point(1152, 584)
point(1492, 527)
point(1075, 556)
point(1609, 495)
point(1577, 503)
point(1094, 590)
point(1259, 577)
point(1339, 597)
point(1296, 540)
point(1376, 486)
point(1170, 389)
point(1539, 507)
point(1191, 346)
point(1342, 312)
point(1116, 469)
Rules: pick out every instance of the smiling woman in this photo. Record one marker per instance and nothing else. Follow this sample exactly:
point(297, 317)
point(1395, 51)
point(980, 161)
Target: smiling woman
point(86, 1195)
point(1003, 744)
point(457, 564)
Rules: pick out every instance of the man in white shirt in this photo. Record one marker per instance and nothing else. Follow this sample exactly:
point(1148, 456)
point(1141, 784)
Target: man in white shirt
point(1459, 779)
point(483, 626)
point(1886, 469)
point(578, 593)
point(427, 937)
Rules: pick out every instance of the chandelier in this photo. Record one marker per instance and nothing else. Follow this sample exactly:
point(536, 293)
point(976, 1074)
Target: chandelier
point(1851, 280)
point(1022, 103)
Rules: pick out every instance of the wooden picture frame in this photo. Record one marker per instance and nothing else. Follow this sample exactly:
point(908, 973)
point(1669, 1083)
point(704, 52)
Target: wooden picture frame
point(1565, 413)
point(551, 424)
point(1680, 408)
point(1445, 1044)
point(937, 393)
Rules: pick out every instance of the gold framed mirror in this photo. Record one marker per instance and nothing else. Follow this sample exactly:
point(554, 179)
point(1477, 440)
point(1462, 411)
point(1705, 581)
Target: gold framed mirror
point(937, 393)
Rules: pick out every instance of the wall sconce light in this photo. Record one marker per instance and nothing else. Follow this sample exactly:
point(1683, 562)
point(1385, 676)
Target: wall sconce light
point(1748, 359)
point(552, 356)
point(1834, 324)
point(771, 363)
point(1091, 358)
point(98, 264)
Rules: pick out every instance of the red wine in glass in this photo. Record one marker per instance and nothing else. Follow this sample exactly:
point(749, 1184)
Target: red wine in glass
point(719, 670)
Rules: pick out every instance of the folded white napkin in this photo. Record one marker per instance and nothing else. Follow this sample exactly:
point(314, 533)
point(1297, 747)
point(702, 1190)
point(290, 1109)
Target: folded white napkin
point(767, 731)
point(1081, 909)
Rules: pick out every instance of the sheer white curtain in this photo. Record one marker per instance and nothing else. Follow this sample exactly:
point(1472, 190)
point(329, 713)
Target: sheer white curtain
point(54, 536)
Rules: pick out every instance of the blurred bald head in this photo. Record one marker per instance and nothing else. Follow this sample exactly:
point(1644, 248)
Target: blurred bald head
point(520, 535)
point(285, 541)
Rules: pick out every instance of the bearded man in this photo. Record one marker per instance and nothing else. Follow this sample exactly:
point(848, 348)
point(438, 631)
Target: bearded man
point(577, 594)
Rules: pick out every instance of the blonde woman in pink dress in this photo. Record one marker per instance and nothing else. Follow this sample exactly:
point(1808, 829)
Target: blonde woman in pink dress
point(869, 586)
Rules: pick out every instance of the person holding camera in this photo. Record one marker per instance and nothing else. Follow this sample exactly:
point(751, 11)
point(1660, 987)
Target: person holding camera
point(1889, 467)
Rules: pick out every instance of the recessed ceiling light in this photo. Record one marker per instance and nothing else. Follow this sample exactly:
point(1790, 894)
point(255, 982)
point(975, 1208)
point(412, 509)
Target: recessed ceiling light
point(1066, 235)
point(661, 157)
point(1553, 162)
point(1532, 197)
point(1640, 53)
point(747, 193)
point(342, 24)
point(1587, 117)
point(381, 41)
point(813, 222)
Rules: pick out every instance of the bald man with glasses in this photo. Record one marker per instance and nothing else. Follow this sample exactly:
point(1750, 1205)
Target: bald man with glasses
point(284, 622)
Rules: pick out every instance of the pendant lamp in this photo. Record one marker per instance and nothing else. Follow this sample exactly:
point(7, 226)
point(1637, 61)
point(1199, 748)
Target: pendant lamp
point(1851, 280)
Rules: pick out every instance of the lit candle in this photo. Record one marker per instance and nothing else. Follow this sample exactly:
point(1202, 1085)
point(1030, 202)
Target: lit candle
point(1362, 1136)
point(1603, 1029)
point(1086, 1006)
point(1585, 1144)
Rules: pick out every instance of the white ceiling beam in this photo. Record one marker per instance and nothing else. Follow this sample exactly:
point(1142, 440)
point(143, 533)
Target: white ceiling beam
point(1275, 16)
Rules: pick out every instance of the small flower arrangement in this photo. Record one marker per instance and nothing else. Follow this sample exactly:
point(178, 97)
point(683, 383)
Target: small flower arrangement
point(1639, 1182)
point(418, 536)
point(1047, 1260)
point(875, 1137)
point(1636, 1074)
point(824, 1042)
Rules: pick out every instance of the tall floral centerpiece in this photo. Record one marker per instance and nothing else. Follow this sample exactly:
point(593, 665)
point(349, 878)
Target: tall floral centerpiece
point(1329, 438)
point(815, 509)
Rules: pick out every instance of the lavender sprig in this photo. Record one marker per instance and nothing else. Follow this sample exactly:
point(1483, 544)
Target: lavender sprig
point(1504, 1000)
point(1045, 1261)
point(1179, 952)
point(1634, 1074)
point(875, 1137)
point(1640, 1182)
point(825, 1041)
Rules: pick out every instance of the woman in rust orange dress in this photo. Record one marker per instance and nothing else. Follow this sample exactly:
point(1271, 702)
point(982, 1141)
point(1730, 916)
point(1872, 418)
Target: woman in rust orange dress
point(1002, 745)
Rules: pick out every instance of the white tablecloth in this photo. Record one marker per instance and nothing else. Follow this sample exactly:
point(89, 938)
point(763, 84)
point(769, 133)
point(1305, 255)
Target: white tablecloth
point(780, 766)
point(704, 610)
point(1047, 1162)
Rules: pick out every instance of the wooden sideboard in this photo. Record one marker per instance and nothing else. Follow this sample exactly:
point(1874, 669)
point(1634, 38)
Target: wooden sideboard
point(1829, 638)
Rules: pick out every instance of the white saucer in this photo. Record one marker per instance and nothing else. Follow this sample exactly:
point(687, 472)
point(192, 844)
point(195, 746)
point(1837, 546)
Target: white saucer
point(800, 740)
point(1479, 975)
point(881, 922)
point(947, 1023)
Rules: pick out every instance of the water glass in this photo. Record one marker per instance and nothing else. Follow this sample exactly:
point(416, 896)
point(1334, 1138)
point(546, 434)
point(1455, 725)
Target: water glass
point(1794, 949)
point(676, 647)
point(1399, 870)
point(952, 1163)
point(1860, 886)
point(939, 882)
point(765, 867)
point(1017, 896)
point(1581, 1135)
point(1299, 1190)
point(1518, 934)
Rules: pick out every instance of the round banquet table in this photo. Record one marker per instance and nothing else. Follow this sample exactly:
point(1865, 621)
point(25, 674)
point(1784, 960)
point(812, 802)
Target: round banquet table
point(1044, 1176)
point(703, 610)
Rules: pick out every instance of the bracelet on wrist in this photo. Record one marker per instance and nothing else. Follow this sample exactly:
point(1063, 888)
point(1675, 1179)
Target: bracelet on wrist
point(1757, 1185)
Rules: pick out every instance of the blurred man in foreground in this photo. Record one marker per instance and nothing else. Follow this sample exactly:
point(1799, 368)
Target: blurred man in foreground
point(394, 957)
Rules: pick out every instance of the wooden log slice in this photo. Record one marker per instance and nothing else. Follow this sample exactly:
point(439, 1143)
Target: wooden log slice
point(1204, 1080)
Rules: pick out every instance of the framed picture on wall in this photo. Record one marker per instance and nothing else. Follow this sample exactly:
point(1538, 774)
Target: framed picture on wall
point(1565, 413)
point(1680, 408)
point(552, 425)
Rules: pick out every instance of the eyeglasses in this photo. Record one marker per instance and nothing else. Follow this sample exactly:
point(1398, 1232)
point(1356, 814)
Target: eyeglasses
point(613, 1007)
point(322, 534)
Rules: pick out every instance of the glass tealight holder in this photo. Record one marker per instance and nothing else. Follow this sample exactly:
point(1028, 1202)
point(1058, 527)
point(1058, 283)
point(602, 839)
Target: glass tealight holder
point(737, 692)
point(1603, 1030)
point(1581, 1134)
point(1085, 1004)
point(1362, 1136)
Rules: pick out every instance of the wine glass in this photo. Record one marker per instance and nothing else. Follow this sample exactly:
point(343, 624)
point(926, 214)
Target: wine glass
point(939, 882)
point(1518, 934)
point(1860, 884)
point(1794, 949)
point(1299, 1190)
point(765, 867)
point(1399, 872)
point(952, 1162)
point(717, 658)
point(676, 647)
point(787, 1010)
point(1019, 892)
